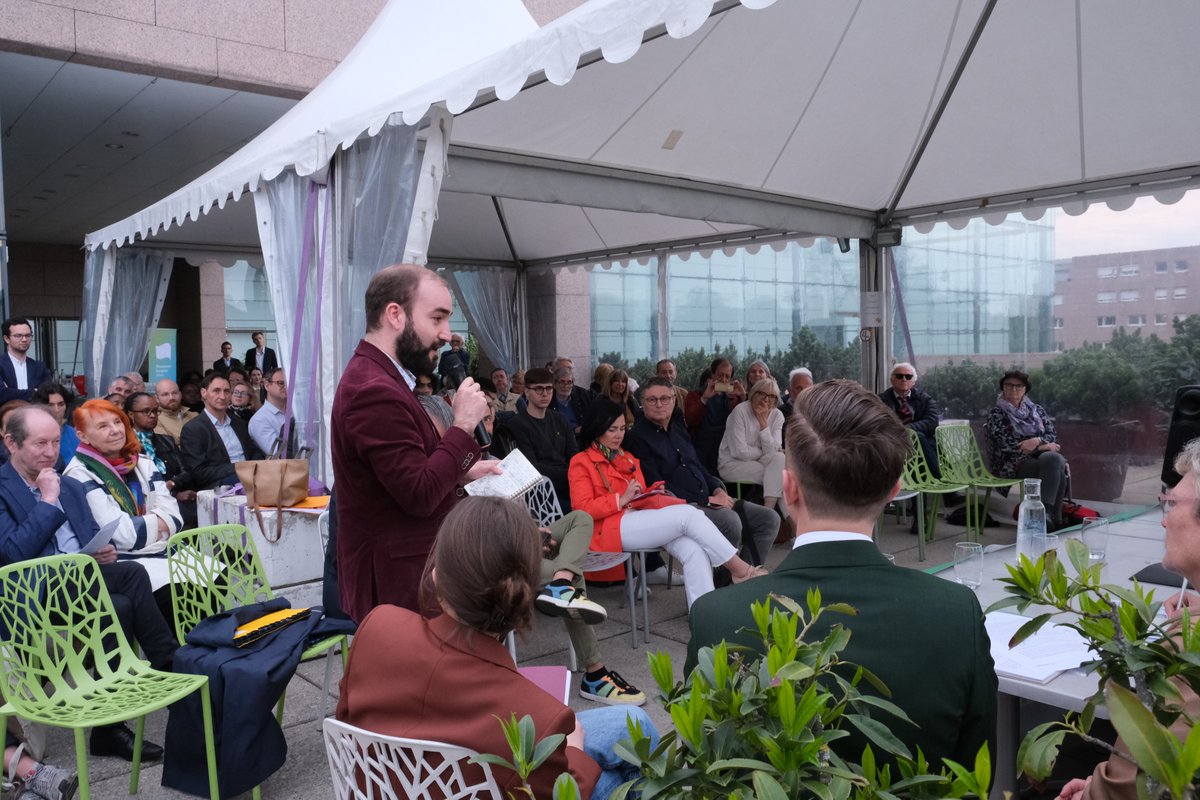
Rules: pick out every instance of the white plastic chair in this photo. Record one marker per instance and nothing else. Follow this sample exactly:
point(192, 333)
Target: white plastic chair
point(392, 767)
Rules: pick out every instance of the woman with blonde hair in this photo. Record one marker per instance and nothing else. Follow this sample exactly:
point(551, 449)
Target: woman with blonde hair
point(751, 449)
point(616, 388)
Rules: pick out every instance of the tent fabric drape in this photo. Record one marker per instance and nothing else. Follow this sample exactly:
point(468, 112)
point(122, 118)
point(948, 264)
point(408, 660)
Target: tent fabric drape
point(123, 294)
point(319, 314)
point(376, 189)
point(288, 221)
point(488, 300)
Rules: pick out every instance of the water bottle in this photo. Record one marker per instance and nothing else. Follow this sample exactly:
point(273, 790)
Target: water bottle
point(1031, 519)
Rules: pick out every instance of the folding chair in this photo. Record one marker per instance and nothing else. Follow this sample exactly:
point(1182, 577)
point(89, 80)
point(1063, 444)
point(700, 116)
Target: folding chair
point(372, 766)
point(919, 478)
point(217, 568)
point(962, 462)
point(55, 669)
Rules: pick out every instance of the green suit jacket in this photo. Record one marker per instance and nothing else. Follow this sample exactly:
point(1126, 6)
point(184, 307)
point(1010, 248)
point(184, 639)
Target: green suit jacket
point(923, 636)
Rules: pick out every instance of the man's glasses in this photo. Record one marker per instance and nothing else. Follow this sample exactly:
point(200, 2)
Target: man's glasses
point(1014, 386)
point(659, 401)
point(284, 383)
point(539, 389)
point(20, 336)
point(145, 411)
point(904, 376)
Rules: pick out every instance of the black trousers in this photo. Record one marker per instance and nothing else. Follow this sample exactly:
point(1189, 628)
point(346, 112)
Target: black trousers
point(137, 612)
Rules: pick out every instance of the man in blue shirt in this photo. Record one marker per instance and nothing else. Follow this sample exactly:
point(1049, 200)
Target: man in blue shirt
point(214, 441)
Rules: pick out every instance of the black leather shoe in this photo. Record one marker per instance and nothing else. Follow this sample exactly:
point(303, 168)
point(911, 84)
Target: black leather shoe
point(117, 741)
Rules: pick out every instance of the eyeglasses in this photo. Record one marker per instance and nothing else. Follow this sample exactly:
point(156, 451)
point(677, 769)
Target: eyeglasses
point(1166, 502)
point(903, 376)
point(666, 399)
point(539, 389)
point(144, 411)
point(770, 398)
point(277, 383)
point(1014, 386)
point(20, 336)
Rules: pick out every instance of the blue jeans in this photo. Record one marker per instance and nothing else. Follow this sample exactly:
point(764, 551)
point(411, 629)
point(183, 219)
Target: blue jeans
point(602, 729)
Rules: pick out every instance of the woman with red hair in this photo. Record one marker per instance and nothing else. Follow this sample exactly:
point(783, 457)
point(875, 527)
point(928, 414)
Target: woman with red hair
point(124, 486)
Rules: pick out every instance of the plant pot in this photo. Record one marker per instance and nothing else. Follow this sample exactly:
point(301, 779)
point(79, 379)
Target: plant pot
point(1099, 457)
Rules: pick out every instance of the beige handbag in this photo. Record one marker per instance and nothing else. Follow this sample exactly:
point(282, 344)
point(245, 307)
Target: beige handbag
point(278, 483)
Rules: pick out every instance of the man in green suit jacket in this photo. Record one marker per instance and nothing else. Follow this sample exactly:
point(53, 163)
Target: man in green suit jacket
point(922, 635)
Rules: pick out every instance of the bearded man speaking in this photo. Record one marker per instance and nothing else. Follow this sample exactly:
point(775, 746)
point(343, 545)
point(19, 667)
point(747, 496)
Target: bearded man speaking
point(395, 477)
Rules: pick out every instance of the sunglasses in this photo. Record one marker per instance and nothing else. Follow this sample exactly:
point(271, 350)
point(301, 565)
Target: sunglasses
point(904, 376)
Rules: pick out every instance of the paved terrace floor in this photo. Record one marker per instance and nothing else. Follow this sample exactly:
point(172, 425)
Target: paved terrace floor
point(305, 775)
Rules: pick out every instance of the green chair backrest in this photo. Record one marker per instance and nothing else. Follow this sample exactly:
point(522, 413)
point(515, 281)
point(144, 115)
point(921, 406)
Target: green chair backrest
point(959, 455)
point(212, 570)
point(916, 470)
point(56, 621)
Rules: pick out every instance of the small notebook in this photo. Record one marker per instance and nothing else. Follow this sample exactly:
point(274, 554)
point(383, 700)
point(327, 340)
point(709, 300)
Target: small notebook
point(518, 476)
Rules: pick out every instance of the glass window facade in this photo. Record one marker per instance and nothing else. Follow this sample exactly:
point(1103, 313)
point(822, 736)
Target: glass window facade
point(247, 307)
point(983, 290)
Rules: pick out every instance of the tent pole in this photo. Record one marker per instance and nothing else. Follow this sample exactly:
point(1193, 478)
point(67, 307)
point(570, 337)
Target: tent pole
point(522, 297)
point(936, 117)
point(874, 334)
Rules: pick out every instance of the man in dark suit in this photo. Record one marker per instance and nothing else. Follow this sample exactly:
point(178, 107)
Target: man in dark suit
point(260, 356)
point(916, 409)
point(215, 440)
point(660, 440)
point(227, 362)
point(396, 478)
point(43, 514)
point(20, 375)
point(846, 451)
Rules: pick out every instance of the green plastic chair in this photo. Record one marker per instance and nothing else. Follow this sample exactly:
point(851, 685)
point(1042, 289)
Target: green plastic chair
point(217, 568)
point(919, 478)
point(57, 617)
point(961, 461)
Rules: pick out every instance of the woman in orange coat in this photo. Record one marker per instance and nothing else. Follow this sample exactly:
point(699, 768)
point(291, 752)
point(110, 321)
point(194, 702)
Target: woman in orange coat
point(606, 482)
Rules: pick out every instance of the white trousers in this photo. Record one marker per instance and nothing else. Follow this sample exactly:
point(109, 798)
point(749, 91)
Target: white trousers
point(688, 535)
point(767, 470)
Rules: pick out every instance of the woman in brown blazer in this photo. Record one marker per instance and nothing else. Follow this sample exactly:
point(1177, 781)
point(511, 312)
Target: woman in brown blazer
point(447, 677)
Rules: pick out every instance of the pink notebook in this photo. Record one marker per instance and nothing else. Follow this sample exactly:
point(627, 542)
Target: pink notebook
point(554, 681)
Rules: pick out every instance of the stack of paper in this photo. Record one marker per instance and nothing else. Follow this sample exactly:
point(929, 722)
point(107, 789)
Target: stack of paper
point(1039, 658)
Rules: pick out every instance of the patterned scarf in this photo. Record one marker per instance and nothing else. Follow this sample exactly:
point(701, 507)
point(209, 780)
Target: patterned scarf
point(1024, 418)
point(119, 478)
point(610, 455)
point(148, 449)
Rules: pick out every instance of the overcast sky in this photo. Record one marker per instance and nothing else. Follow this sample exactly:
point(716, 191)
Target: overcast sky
point(1147, 225)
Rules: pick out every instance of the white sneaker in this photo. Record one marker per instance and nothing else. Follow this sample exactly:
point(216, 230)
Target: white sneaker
point(657, 577)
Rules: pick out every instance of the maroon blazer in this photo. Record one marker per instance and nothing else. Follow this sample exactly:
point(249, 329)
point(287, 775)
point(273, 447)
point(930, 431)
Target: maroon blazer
point(396, 480)
point(425, 679)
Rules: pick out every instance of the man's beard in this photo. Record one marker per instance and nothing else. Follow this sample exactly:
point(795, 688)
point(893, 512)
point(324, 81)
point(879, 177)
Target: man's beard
point(412, 354)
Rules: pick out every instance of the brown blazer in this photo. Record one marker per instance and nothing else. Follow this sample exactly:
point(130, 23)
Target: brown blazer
point(427, 679)
point(396, 480)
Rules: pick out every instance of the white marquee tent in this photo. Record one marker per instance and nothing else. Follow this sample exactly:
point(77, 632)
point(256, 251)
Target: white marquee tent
point(626, 124)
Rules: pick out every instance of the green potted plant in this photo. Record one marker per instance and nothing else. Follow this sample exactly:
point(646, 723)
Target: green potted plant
point(749, 725)
point(1141, 663)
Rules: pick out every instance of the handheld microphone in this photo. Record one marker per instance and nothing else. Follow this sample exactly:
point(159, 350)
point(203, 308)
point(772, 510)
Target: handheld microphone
point(482, 436)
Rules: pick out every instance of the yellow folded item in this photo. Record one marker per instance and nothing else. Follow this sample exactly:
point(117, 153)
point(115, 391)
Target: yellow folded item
point(310, 502)
point(267, 624)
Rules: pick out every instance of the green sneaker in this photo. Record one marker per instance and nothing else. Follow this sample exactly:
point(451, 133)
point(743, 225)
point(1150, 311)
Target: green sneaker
point(611, 689)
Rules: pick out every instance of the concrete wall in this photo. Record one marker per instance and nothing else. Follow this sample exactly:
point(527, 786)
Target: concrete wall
point(560, 320)
point(49, 282)
point(282, 47)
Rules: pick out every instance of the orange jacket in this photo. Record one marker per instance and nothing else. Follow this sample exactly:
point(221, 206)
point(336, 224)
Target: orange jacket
point(596, 483)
